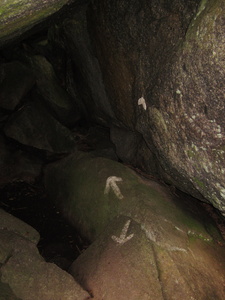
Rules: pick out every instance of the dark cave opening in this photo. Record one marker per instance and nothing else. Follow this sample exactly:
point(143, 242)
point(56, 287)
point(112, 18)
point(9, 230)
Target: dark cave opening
point(59, 242)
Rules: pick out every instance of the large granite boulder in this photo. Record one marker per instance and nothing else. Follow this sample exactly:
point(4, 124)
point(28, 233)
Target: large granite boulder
point(163, 70)
point(148, 243)
point(124, 263)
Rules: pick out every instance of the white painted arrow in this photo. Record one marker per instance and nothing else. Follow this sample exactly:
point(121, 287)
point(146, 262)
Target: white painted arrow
point(141, 101)
point(111, 183)
point(123, 239)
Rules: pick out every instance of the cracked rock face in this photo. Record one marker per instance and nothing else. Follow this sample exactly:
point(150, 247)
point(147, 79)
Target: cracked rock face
point(172, 57)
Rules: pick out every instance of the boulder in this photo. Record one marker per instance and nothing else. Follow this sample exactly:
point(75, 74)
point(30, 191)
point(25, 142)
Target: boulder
point(33, 126)
point(137, 268)
point(20, 261)
point(146, 241)
point(55, 97)
point(15, 226)
point(85, 66)
point(163, 69)
point(132, 149)
point(6, 293)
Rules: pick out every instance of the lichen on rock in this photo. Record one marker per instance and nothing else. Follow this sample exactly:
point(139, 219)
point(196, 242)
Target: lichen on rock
point(18, 16)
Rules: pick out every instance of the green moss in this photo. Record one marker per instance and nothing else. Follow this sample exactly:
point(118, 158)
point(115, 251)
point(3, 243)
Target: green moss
point(195, 228)
point(221, 148)
point(190, 153)
point(178, 215)
point(214, 232)
point(199, 183)
point(201, 7)
point(202, 27)
point(157, 117)
point(84, 200)
point(194, 235)
point(16, 16)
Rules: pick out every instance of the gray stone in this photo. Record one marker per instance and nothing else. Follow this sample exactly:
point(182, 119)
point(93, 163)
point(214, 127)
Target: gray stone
point(46, 280)
point(163, 69)
point(6, 293)
point(9, 223)
point(24, 272)
point(126, 142)
point(59, 102)
point(77, 42)
point(34, 126)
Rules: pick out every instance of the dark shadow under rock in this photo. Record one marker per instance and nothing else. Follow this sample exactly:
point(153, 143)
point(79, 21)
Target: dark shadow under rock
point(17, 165)
point(34, 126)
point(16, 81)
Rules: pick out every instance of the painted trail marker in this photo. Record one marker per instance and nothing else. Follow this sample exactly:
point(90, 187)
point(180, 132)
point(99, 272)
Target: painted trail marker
point(111, 184)
point(141, 101)
point(122, 239)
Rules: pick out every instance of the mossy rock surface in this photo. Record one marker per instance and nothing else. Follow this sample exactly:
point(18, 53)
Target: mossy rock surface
point(18, 16)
